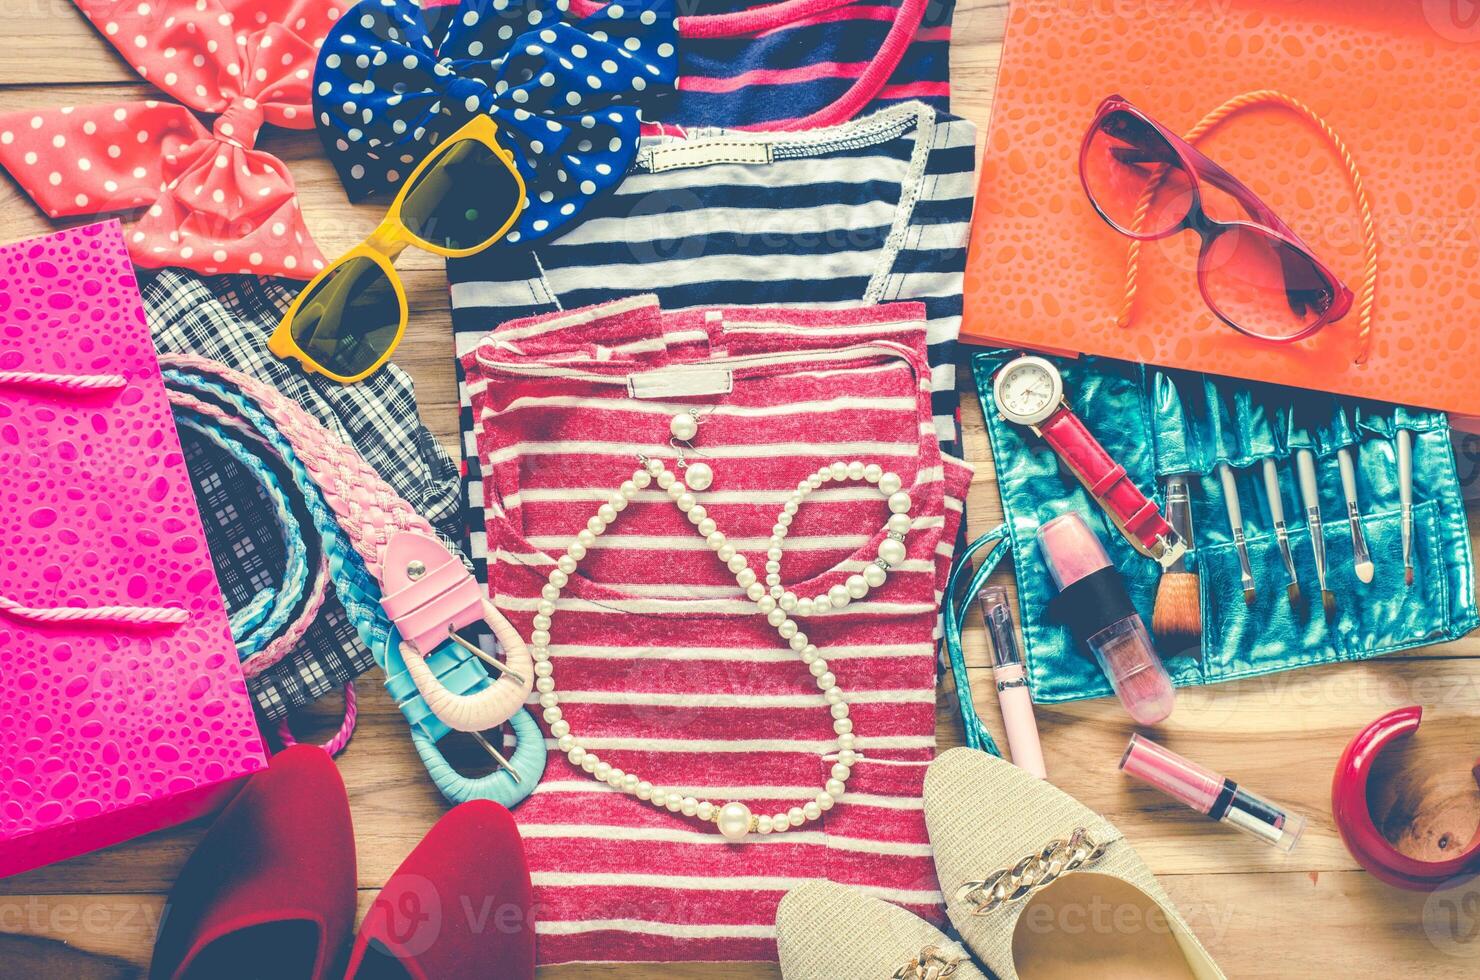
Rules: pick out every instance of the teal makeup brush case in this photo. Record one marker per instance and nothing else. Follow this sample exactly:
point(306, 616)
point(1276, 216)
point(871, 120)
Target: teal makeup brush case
point(1156, 423)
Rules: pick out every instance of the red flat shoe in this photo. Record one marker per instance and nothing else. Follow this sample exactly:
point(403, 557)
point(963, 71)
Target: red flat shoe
point(270, 891)
point(460, 905)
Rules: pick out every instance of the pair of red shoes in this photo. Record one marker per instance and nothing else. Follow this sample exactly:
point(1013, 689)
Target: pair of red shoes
point(270, 892)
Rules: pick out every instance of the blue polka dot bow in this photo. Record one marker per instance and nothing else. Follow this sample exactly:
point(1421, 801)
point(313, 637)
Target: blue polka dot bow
point(565, 90)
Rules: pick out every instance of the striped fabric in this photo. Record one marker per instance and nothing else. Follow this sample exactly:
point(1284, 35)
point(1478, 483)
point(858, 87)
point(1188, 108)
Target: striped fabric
point(792, 64)
point(875, 210)
point(662, 666)
point(811, 63)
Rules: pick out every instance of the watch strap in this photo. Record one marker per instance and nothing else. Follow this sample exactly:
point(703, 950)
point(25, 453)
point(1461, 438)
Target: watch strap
point(1136, 516)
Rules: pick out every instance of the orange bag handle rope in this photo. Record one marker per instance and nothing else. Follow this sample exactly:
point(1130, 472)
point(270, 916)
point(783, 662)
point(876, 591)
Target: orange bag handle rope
point(1368, 291)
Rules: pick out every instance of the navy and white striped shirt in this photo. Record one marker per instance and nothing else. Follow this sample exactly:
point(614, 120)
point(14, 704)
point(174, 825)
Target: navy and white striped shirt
point(874, 210)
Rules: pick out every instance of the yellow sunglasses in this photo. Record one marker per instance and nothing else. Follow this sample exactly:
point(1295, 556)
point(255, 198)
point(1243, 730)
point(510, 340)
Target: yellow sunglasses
point(464, 196)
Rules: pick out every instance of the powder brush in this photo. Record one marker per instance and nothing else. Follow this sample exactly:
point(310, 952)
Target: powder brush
point(1176, 618)
point(1281, 530)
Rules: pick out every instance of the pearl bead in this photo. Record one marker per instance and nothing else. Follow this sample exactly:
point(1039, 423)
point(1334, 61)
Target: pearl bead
point(787, 629)
point(590, 763)
point(665, 479)
point(550, 592)
point(562, 727)
point(846, 742)
point(856, 586)
point(773, 567)
point(833, 695)
point(784, 519)
point(809, 653)
point(890, 483)
point(725, 551)
point(630, 783)
point(766, 605)
point(576, 755)
point(705, 810)
point(872, 472)
point(840, 709)
point(586, 537)
point(898, 523)
point(549, 700)
point(565, 742)
point(654, 467)
point(686, 502)
point(855, 470)
point(762, 825)
point(553, 715)
point(628, 489)
point(566, 564)
point(690, 806)
point(614, 778)
point(676, 490)
point(843, 726)
point(848, 757)
point(602, 771)
point(841, 772)
point(642, 479)
point(607, 513)
point(795, 816)
point(899, 502)
point(798, 642)
point(745, 577)
point(734, 821)
point(822, 603)
point(810, 810)
point(545, 608)
point(684, 427)
point(543, 668)
point(541, 621)
point(818, 667)
point(825, 802)
point(699, 477)
point(576, 550)
point(716, 540)
point(835, 788)
point(780, 823)
point(874, 576)
point(826, 681)
point(773, 554)
point(706, 527)
point(540, 638)
point(659, 797)
point(645, 790)
point(892, 551)
point(737, 562)
point(674, 803)
point(755, 592)
point(805, 607)
point(788, 601)
point(838, 596)
point(697, 514)
point(838, 470)
point(776, 617)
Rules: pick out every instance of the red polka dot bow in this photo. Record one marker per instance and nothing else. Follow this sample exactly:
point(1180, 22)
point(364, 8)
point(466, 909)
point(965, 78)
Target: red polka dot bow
point(214, 203)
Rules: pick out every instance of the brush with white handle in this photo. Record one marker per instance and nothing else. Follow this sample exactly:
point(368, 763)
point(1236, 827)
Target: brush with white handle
point(1281, 532)
point(1236, 522)
point(1361, 557)
point(1305, 465)
point(1405, 498)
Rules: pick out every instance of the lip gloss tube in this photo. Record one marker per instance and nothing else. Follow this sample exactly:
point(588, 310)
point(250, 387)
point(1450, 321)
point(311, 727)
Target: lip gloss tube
point(1093, 603)
point(1212, 795)
point(1011, 675)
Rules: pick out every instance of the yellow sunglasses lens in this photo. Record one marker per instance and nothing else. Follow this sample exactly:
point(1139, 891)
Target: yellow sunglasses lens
point(463, 198)
point(349, 319)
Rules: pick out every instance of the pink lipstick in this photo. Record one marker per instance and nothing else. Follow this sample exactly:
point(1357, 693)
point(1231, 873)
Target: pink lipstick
point(1210, 794)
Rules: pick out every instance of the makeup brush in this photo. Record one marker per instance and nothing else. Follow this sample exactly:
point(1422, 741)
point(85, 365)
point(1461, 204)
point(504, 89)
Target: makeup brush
point(1236, 523)
point(1281, 532)
point(1405, 499)
point(1361, 557)
point(1305, 464)
point(1177, 615)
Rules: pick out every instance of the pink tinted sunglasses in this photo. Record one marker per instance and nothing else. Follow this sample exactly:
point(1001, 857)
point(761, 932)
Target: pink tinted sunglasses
point(1255, 274)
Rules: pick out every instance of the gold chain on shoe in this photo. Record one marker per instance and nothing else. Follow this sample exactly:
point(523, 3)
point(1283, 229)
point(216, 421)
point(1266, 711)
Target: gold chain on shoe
point(1032, 872)
point(931, 964)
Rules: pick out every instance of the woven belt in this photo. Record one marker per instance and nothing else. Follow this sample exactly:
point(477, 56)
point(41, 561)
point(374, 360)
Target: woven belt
point(405, 592)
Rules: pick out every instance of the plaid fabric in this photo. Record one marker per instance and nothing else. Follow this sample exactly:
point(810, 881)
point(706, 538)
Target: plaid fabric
point(228, 319)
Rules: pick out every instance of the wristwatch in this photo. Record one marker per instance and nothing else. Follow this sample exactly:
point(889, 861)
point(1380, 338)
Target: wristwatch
point(1029, 391)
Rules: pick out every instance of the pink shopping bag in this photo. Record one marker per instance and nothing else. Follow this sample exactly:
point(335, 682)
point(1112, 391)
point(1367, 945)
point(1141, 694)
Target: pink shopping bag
point(114, 722)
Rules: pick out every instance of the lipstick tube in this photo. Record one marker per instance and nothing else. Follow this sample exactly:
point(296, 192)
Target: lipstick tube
point(1093, 603)
point(1010, 673)
point(1212, 795)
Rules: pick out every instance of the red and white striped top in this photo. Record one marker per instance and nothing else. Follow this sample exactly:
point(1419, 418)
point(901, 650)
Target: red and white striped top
point(661, 663)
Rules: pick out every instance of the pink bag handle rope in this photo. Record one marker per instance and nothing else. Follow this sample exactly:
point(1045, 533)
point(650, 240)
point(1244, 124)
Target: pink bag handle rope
point(122, 616)
point(426, 590)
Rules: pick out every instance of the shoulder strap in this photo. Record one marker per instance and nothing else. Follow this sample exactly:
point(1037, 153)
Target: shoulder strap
point(953, 615)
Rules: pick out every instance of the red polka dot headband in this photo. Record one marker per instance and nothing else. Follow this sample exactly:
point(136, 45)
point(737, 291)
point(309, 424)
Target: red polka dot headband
point(214, 203)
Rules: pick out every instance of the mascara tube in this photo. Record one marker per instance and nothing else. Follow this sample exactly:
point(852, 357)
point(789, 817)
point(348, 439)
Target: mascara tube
point(1011, 675)
point(1212, 795)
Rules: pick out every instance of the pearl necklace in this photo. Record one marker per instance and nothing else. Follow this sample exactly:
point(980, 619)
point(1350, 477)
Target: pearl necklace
point(734, 819)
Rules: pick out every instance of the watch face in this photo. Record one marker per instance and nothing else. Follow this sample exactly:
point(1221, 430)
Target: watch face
point(1028, 390)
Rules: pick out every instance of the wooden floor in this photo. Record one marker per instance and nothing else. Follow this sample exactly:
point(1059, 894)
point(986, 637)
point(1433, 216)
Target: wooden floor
point(1261, 915)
